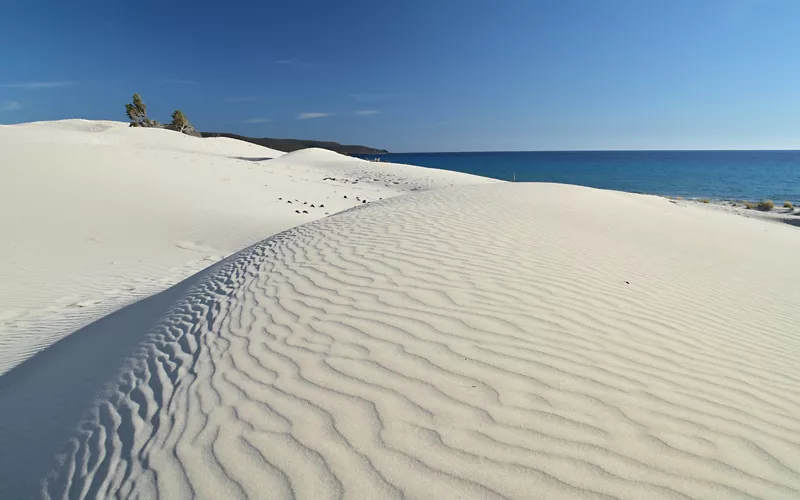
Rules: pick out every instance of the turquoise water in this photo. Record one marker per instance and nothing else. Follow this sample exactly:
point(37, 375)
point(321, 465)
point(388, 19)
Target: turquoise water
point(728, 175)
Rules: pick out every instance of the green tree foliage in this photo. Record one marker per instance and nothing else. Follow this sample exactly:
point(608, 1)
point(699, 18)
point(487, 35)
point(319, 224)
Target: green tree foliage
point(137, 112)
point(180, 123)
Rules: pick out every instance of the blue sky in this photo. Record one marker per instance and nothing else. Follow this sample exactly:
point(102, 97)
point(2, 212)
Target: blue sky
point(433, 75)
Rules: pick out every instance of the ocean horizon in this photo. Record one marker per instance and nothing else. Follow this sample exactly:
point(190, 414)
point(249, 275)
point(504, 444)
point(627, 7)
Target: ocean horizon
point(715, 174)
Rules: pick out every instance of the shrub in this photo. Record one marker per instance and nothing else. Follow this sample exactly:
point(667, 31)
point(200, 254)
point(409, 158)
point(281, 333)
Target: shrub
point(749, 205)
point(788, 204)
point(766, 205)
point(705, 200)
point(137, 112)
point(180, 123)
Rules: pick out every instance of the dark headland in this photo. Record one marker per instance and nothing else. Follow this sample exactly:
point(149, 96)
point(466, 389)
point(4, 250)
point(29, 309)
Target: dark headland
point(289, 145)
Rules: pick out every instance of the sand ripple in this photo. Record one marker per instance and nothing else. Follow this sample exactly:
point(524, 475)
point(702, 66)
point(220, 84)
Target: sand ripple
point(501, 341)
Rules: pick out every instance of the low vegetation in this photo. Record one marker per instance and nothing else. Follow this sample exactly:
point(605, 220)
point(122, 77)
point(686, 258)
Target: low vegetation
point(705, 200)
point(748, 205)
point(788, 204)
point(137, 113)
point(766, 205)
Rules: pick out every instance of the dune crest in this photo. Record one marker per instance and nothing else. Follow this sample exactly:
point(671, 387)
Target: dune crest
point(499, 341)
point(95, 215)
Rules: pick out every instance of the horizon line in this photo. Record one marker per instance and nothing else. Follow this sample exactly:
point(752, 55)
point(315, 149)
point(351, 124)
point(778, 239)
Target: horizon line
point(710, 150)
point(641, 150)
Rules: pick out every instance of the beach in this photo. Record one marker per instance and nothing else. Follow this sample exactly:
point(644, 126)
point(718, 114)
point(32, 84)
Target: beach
point(172, 327)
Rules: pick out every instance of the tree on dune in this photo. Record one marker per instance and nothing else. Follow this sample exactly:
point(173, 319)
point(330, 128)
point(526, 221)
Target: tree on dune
point(180, 123)
point(137, 112)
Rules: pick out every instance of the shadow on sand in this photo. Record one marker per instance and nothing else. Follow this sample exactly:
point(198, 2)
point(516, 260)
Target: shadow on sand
point(253, 158)
point(43, 400)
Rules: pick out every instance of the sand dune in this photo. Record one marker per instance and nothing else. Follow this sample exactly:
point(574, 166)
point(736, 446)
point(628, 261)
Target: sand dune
point(497, 341)
point(95, 215)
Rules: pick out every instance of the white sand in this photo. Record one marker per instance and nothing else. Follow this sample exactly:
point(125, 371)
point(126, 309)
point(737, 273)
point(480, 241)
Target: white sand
point(94, 215)
point(491, 341)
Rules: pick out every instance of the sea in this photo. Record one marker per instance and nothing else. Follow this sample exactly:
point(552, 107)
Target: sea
point(716, 175)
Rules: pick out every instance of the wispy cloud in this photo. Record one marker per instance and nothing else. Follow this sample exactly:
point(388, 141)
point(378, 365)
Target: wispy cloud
point(257, 120)
point(306, 116)
point(370, 97)
point(297, 63)
point(240, 99)
point(10, 106)
point(367, 112)
point(179, 81)
point(37, 85)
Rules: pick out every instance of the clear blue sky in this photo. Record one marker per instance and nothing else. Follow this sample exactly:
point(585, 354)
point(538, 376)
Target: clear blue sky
point(428, 75)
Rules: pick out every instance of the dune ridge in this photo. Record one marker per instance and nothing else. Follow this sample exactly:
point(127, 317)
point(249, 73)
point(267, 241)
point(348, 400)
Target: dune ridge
point(96, 215)
point(499, 341)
